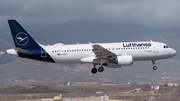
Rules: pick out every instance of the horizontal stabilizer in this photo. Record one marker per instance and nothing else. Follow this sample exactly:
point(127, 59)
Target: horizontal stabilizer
point(19, 50)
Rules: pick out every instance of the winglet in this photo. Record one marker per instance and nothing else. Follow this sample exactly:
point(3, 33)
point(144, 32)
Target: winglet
point(91, 44)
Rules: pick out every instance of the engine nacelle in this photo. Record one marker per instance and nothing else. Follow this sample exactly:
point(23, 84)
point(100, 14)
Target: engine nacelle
point(122, 60)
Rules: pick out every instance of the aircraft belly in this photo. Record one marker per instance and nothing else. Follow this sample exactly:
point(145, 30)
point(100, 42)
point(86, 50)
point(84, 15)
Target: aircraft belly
point(148, 56)
point(142, 56)
point(70, 58)
point(112, 65)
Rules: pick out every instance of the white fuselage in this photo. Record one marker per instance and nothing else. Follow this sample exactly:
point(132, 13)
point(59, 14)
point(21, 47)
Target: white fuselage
point(75, 52)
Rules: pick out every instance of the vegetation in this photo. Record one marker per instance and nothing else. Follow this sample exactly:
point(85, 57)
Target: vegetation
point(28, 91)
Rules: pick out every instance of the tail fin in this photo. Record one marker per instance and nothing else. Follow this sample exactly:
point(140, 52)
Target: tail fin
point(22, 39)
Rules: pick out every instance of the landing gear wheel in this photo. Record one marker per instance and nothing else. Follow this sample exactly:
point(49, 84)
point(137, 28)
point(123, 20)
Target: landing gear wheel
point(94, 70)
point(101, 69)
point(155, 67)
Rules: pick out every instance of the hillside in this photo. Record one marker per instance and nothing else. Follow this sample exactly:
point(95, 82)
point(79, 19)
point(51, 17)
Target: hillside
point(30, 91)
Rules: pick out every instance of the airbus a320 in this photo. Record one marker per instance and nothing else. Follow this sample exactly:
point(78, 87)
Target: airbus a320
point(112, 55)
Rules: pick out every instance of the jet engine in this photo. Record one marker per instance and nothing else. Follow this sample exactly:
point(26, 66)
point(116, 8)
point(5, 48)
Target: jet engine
point(124, 60)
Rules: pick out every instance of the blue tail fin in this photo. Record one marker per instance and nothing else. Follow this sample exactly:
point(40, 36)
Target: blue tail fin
point(21, 37)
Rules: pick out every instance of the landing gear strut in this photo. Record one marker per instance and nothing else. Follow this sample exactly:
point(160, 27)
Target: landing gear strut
point(101, 68)
point(154, 67)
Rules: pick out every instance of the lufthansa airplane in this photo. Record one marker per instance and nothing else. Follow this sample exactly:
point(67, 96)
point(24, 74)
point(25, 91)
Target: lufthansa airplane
point(112, 55)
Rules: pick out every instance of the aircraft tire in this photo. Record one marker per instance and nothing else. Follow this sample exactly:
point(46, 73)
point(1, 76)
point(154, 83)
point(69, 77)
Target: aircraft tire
point(101, 69)
point(155, 68)
point(94, 70)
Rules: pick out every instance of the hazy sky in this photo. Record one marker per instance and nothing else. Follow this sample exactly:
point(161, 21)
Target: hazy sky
point(145, 12)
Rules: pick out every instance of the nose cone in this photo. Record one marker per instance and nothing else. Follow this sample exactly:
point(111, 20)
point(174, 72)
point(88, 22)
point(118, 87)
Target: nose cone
point(173, 52)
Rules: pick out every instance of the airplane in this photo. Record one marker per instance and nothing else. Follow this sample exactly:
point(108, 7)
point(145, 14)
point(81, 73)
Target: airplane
point(112, 55)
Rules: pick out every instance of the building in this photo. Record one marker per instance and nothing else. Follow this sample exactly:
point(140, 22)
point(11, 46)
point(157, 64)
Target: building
point(156, 87)
point(86, 83)
point(171, 84)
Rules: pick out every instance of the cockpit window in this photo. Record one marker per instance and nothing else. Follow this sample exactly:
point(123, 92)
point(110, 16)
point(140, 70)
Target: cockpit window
point(166, 46)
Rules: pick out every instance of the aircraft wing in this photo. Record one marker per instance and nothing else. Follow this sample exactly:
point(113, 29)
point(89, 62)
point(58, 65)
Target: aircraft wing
point(101, 52)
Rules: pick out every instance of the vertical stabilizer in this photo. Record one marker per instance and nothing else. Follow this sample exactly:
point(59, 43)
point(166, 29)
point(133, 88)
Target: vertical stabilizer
point(22, 39)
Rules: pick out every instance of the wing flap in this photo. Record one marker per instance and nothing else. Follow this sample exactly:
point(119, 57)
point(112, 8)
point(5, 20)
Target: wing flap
point(101, 52)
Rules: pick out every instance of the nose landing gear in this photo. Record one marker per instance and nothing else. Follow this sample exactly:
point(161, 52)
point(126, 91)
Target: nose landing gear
point(154, 67)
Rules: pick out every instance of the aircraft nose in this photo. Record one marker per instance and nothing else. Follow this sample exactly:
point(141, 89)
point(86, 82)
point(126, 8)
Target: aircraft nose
point(173, 52)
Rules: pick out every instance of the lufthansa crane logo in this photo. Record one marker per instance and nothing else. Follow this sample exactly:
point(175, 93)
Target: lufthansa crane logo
point(21, 38)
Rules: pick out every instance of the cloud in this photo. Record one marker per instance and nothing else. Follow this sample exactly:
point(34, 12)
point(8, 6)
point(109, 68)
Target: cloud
point(46, 11)
point(152, 13)
point(145, 12)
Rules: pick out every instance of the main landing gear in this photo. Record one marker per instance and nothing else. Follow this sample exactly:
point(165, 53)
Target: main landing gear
point(154, 67)
point(100, 69)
